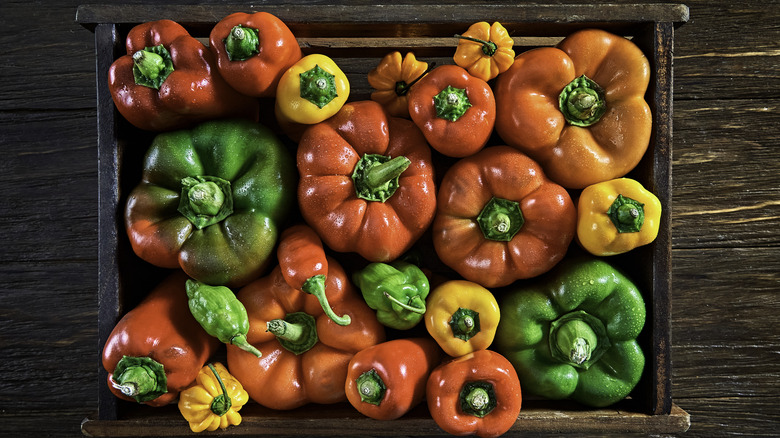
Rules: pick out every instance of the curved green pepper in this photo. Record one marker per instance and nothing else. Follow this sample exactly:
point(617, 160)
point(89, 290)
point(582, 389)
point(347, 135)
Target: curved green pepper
point(220, 313)
point(397, 291)
point(210, 201)
point(573, 333)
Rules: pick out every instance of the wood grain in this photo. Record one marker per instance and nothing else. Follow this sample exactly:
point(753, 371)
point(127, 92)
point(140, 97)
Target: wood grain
point(725, 351)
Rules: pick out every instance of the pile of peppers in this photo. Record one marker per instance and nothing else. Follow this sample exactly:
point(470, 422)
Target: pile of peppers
point(454, 240)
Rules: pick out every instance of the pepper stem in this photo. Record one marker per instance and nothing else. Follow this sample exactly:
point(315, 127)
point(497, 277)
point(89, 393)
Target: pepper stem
point(500, 219)
point(205, 200)
point(315, 285)
point(371, 387)
point(242, 43)
point(318, 86)
point(221, 404)
point(240, 341)
point(451, 103)
point(375, 176)
point(464, 323)
point(478, 398)
point(297, 332)
point(151, 66)
point(142, 378)
point(489, 48)
point(582, 102)
point(420, 310)
point(628, 215)
point(578, 339)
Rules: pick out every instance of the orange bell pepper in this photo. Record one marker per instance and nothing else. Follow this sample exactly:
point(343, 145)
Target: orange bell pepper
point(485, 50)
point(366, 182)
point(386, 381)
point(253, 51)
point(455, 110)
point(500, 219)
point(392, 78)
point(305, 354)
point(475, 394)
point(578, 109)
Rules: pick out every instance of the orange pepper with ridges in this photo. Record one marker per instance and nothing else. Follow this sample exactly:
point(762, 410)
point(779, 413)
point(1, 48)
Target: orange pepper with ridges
point(485, 50)
point(392, 78)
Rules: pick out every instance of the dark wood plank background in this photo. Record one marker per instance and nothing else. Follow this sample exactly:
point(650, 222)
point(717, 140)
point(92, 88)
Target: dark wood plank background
point(726, 216)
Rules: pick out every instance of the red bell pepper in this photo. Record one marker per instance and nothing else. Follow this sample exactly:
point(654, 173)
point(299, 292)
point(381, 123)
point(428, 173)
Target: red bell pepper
point(169, 80)
point(253, 51)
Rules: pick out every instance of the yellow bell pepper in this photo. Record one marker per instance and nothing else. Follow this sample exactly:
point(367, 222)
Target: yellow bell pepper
point(485, 50)
point(392, 78)
point(312, 90)
point(462, 317)
point(214, 400)
point(616, 216)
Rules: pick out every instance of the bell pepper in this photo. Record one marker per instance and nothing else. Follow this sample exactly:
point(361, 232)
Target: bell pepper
point(475, 394)
point(455, 110)
point(210, 201)
point(213, 401)
point(138, 353)
point(573, 333)
point(392, 79)
point(312, 90)
point(500, 219)
point(169, 80)
point(616, 216)
point(387, 380)
point(305, 354)
point(462, 317)
point(579, 108)
point(397, 291)
point(366, 182)
point(219, 312)
point(304, 266)
point(485, 50)
point(253, 50)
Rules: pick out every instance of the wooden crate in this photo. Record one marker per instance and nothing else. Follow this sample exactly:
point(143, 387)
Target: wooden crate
point(357, 37)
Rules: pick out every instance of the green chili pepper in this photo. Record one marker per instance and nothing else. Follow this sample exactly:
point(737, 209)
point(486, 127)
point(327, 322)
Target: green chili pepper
point(397, 291)
point(220, 313)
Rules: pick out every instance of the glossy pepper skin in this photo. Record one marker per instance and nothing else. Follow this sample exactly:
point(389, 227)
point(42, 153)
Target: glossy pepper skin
point(253, 50)
point(616, 216)
point(485, 50)
point(366, 182)
point(220, 313)
point(192, 92)
point(282, 379)
point(392, 79)
point(211, 200)
point(531, 118)
point(170, 345)
point(387, 380)
point(304, 265)
point(462, 317)
point(310, 91)
point(572, 334)
point(501, 219)
point(454, 110)
point(475, 394)
point(213, 401)
point(397, 291)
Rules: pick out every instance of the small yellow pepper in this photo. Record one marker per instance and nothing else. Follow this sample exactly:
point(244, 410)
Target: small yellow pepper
point(462, 317)
point(214, 400)
point(312, 90)
point(617, 216)
point(392, 78)
point(485, 50)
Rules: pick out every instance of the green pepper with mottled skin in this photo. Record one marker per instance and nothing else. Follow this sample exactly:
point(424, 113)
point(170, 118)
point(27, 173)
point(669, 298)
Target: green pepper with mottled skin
point(397, 291)
point(220, 313)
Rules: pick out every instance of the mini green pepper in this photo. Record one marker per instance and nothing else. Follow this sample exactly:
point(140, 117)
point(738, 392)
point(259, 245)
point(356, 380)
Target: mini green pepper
point(220, 313)
point(397, 291)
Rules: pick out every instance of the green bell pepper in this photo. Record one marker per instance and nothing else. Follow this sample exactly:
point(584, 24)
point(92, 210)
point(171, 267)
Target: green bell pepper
point(397, 291)
point(211, 200)
point(572, 334)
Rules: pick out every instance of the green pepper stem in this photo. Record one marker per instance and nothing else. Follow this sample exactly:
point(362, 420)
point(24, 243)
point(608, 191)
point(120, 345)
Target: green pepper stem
point(142, 378)
point(149, 63)
point(375, 177)
point(478, 398)
point(451, 103)
point(221, 404)
point(578, 339)
point(464, 323)
point(242, 43)
point(315, 285)
point(582, 102)
point(206, 198)
point(489, 48)
point(420, 310)
point(628, 215)
point(500, 219)
point(371, 387)
point(152, 66)
point(381, 174)
point(402, 88)
point(240, 341)
point(318, 86)
point(297, 332)
point(285, 330)
point(135, 381)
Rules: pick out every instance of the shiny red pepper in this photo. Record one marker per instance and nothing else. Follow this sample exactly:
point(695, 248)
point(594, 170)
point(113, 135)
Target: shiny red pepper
point(253, 51)
point(169, 80)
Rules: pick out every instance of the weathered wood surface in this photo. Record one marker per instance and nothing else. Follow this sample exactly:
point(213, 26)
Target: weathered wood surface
point(726, 213)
